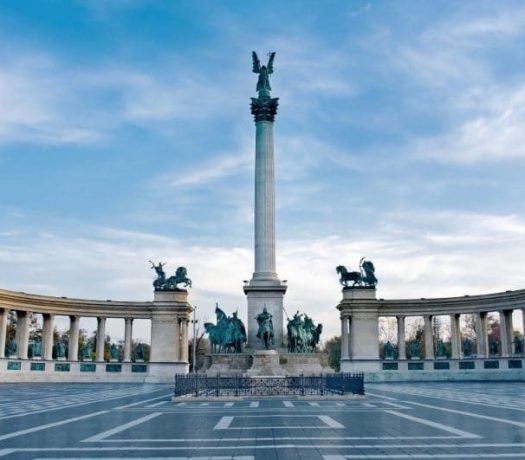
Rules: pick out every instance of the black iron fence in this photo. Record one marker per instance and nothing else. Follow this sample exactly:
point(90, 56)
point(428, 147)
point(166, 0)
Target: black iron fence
point(237, 385)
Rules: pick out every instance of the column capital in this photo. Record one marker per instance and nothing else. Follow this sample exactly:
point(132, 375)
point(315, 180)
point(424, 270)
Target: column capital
point(264, 108)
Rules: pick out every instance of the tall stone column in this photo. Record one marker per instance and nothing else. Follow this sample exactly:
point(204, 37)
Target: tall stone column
point(429, 338)
point(344, 337)
point(128, 334)
point(523, 324)
point(481, 335)
point(505, 327)
point(101, 337)
point(454, 336)
point(401, 345)
point(264, 290)
point(22, 333)
point(178, 348)
point(47, 336)
point(74, 326)
point(184, 344)
point(3, 330)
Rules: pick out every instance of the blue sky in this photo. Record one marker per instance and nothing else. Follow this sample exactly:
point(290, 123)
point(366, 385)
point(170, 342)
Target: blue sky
point(125, 135)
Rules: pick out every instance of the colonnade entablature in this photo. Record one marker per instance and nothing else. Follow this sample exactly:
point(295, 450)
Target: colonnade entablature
point(360, 311)
point(169, 313)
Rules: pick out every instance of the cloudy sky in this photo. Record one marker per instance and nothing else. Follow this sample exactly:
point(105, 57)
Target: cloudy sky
point(125, 135)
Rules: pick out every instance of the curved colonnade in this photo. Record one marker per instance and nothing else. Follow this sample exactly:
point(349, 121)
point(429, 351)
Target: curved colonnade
point(361, 310)
point(169, 313)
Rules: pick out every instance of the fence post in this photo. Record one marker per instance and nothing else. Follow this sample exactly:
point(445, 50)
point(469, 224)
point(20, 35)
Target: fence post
point(322, 385)
point(302, 384)
point(217, 385)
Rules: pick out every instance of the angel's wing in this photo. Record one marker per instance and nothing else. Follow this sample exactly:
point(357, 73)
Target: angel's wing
point(256, 64)
point(270, 63)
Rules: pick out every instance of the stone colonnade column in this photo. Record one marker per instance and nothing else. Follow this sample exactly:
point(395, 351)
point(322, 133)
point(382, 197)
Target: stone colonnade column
point(505, 327)
point(344, 337)
point(47, 337)
point(74, 325)
point(178, 348)
point(22, 333)
point(523, 323)
point(481, 335)
point(101, 337)
point(429, 340)
point(3, 330)
point(128, 334)
point(401, 345)
point(454, 336)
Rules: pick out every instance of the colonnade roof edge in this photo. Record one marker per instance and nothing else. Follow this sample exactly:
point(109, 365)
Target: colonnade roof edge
point(505, 300)
point(37, 303)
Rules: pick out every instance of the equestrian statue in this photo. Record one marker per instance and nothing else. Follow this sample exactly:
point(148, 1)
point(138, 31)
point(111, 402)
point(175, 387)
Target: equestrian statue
point(228, 335)
point(364, 277)
point(169, 284)
point(303, 335)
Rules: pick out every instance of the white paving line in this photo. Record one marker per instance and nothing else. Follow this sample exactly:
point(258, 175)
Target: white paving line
point(180, 404)
point(410, 456)
point(375, 395)
point(368, 405)
point(437, 425)
point(315, 404)
point(214, 457)
point(340, 404)
point(138, 403)
point(254, 404)
point(469, 414)
point(288, 404)
point(120, 428)
point(228, 404)
point(204, 404)
point(4, 452)
point(224, 423)
point(50, 425)
point(330, 421)
point(158, 404)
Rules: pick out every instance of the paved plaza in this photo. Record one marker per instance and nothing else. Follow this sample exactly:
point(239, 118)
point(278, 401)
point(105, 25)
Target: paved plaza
point(101, 421)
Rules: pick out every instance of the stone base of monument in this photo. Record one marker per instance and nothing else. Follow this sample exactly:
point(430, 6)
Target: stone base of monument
point(265, 363)
point(284, 363)
point(165, 372)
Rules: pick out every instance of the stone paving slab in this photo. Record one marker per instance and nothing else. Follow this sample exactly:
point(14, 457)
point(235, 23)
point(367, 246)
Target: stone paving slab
point(425, 420)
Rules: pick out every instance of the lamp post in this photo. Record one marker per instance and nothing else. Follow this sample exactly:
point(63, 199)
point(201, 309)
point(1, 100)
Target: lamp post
point(194, 321)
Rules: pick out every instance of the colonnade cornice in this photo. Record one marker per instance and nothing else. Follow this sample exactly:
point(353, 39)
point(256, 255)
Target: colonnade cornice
point(483, 303)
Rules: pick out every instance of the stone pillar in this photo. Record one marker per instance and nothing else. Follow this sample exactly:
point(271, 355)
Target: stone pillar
point(401, 345)
point(101, 337)
point(454, 336)
point(523, 324)
point(482, 348)
point(429, 338)
point(128, 334)
point(344, 337)
point(47, 336)
point(505, 328)
point(74, 325)
point(184, 342)
point(22, 333)
point(3, 330)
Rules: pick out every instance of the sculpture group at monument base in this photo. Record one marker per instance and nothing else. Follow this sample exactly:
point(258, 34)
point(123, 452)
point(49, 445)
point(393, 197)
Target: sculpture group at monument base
point(267, 363)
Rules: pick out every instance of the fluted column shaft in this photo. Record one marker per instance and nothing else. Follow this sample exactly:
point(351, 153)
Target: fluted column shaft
point(429, 339)
point(101, 337)
point(401, 345)
point(344, 337)
point(3, 331)
point(264, 201)
point(22, 333)
point(47, 336)
point(128, 334)
point(74, 327)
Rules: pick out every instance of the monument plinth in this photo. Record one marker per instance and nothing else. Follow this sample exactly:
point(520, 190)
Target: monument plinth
point(264, 289)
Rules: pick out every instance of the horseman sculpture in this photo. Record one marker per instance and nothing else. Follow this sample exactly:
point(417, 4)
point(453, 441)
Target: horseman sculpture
point(303, 335)
point(228, 335)
point(265, 331)
point(169, 284)
point(364, 277)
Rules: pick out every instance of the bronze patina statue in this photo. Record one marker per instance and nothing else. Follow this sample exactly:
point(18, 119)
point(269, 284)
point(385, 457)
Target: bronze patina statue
point(263, 83)
point(265, 331)
point(169, 284)
point(303, 335)
point(228, 335)
point(364, 277)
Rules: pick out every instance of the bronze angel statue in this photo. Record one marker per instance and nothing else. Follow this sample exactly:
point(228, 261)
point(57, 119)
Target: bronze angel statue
point(263, 84)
